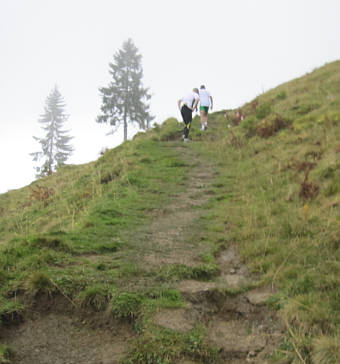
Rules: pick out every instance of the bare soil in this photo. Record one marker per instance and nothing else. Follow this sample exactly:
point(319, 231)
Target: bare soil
point(59, 339)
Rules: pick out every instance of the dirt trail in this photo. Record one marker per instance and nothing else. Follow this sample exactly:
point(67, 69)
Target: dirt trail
point(241, 326)
point(168, 241)
point(244, 329)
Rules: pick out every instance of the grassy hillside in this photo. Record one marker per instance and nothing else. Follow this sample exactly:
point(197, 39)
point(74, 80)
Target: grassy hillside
point(93, 234)
point(281, 172)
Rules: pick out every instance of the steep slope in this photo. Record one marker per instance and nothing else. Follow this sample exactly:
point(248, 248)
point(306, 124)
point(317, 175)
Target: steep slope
point(225, 250)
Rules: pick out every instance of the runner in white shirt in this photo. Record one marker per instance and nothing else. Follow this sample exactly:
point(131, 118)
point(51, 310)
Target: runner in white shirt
point(206, 101)
point(187, 105)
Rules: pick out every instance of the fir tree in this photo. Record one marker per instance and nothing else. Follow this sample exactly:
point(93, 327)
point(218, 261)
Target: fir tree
point(124, 98)
point(55, 147)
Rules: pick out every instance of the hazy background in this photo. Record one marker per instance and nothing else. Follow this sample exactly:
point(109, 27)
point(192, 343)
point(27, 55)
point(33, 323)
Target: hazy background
point(237, 48)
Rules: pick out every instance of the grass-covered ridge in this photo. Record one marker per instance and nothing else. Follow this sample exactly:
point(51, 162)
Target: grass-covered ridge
point(82, 233)
point(281, 174)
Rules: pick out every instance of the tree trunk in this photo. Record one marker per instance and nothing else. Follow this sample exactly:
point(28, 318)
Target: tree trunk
point(125, 126)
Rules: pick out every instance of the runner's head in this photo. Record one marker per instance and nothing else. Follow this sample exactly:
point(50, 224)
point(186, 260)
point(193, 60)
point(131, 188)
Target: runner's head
point(202, 87)
point(195, 90)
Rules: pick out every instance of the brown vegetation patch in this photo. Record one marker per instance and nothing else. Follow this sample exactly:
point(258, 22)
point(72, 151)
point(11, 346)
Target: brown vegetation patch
point(271, 125)
point(304, 166)
point(106, 178)
point(235, 140)
point(314, 155)
point(308, 190)
point(41, 194)
point(172, 136)
point(237, 117)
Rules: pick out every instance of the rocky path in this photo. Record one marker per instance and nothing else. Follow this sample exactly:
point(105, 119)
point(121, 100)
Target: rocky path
point(244, 329)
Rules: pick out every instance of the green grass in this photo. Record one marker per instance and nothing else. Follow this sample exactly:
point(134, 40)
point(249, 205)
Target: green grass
point(5, 354)
point(56, 243)
point(162, 346)
point(291, 238)
point(275, 195)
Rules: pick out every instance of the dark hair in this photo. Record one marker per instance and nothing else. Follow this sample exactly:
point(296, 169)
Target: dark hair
point(202, 86)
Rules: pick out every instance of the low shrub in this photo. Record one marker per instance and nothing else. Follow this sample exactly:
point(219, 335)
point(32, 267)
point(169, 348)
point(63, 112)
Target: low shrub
point(95, 297)
point(5, 354)
point(38, 283)
point(304, 109)
point(281, 95)
point(271, 125)
point(263, 110)
point(126, 305)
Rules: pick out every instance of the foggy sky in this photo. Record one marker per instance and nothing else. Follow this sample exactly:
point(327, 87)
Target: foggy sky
point(237, 48)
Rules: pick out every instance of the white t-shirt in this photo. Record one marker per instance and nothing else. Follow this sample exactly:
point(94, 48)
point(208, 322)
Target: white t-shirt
point(189, 99)
point(204, 97)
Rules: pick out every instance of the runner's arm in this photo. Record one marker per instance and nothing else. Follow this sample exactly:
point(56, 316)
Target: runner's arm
point(211, 102)
point(195, 104)
point(179, 103)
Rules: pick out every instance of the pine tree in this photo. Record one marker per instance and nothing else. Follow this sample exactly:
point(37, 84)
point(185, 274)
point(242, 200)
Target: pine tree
point(55, 145)
point(124, 98)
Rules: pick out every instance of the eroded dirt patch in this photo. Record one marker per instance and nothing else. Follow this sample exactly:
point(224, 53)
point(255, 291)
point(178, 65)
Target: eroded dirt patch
point(180, 320)
point(55, 338)
point(241, 326)
point(243, 332)
point(234, 273)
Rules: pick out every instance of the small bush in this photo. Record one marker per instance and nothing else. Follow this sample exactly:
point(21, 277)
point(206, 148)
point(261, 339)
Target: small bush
point(38, 283)
point(329, 172)
point(179, 271)
point(163, 347)
point(5, 354)
point(50, 242)
point(126, 305)
point(41, 194)
point(304, 109)
point(281, 95)
point(110, 176)
point(271, 125)
point(313, 154)
point(10, 310)
point(333, 188)
point(309, 190)
point(109, 247)
point(169, 347)
point(205, 272)
point(171, 130)
point(248, 123)
point(263, 110)
point(304, 166)
point(96, 297)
